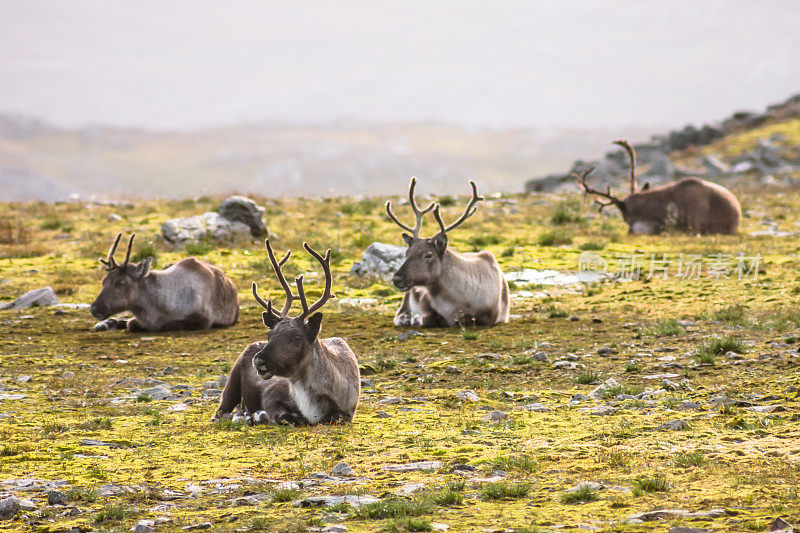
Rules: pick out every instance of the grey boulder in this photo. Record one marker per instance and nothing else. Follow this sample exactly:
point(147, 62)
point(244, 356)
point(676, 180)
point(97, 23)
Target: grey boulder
point(41, 297)
point(380, 260)
point(246, 211)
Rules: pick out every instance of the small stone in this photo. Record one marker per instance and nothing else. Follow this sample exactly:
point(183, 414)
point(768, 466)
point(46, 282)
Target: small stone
point(601, 389)
point(568, 365)
point(9, 507)
point(598, 410)
point(682, 529)
point(196, 527)
point(467, 395)
point(23, 379)
point(606, 351)
point(26, 504)
point(55, 497)
point(332, 501)
point(144, 526)
point(342, 469)
point(596, 320)
point(674, 425)
point(113, 217)
point(383, 414)
point(536, 407)
point(159, 392)
point(591, 485)
point(412, 467)
point(439, 526)
point(411, 488)
point(495, 416)
point(462, 469)
point(540, 356)
point(779, 524)
point(408, 334)
point(687, 405)
point(392, 400)
point(367, 383)
point(68, 375)
point(335, 528)
point(580, 397)
point(573, 319)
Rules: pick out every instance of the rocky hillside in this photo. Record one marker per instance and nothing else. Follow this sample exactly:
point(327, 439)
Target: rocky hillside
point(745, 147)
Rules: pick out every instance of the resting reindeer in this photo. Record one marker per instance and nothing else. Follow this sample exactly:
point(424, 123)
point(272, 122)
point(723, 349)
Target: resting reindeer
point(691, 204)
point(294, 377)
point(444, 288)
point(190, 294)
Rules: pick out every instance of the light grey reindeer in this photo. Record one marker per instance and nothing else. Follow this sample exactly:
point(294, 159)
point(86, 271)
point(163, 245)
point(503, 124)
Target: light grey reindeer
point(294, 377)
point(190, 294)
point(691, 205)
point(444, 288)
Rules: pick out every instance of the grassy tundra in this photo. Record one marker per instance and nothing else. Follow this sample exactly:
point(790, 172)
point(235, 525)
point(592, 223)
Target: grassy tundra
point(735, 464)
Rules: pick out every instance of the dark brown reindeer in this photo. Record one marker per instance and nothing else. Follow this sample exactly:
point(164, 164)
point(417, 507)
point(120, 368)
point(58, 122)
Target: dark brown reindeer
point(444, 288)
point(294, 377)
point(190, 294)
point(691, 205)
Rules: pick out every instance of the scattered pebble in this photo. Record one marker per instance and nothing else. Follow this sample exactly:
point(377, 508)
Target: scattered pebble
point(495, 416)
point(467, 395)
point(412, 467)
point(342, 469)
point(9, 507)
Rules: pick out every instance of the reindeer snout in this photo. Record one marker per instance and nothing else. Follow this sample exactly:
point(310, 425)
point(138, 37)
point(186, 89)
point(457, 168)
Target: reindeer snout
point(97, 312)
point(261, 367)
point(399, 281)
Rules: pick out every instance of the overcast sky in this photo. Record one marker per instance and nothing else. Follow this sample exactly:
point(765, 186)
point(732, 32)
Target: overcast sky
point(582, 63)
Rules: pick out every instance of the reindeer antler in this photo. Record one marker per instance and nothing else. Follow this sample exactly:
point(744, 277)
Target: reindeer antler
point(276, 266)
point(632, 156)
point(301, 294)
point(326, 295)
point(580, 179)
point(418, 213)
point(468, 212)
point(111, 263)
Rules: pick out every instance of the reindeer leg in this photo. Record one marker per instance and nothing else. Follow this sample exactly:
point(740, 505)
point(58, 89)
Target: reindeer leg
point(111, 324)
point(134, 326)
point(231, 394)
point(428, 317)
point(403, 316)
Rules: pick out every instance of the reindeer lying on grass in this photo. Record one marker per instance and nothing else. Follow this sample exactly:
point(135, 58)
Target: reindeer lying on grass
point(444, 288)
point(190, 294)
point(691, 204)
point(294, 377)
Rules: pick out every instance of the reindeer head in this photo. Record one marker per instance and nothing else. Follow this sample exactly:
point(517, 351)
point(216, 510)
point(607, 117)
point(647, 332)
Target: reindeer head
point(639, 210)
point(290, 338)
point(122, 283)
point(423, 264)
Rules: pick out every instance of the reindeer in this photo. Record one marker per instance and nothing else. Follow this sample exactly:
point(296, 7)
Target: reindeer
point(190, 294)
point(294, 377)
point(691, 204)
point(442, 287)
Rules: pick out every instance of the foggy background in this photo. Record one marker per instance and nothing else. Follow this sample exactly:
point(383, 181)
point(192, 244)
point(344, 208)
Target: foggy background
point(183, 98)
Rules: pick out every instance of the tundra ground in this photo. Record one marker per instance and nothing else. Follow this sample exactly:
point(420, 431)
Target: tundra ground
point(727, 347)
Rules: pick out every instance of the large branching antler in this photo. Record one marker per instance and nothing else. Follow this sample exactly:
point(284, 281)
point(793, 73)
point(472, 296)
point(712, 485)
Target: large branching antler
point(418, 213)
point(110, 262)
point(468, 212)
point(326, 294)
point(276, 266)
point(580, 179)
point(301, 294)
point(632, 156)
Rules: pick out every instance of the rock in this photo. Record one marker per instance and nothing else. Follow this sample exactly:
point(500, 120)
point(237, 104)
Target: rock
point(334, 528)
point(682, 529)
point(779, 524)
point(367, 384)
point(383, 414)
point(180, 231)
point(158, 392)
point(467, 395)
point(342, 469)
point(392, 400)
point(252, 499)
point(42, 297)
point(93, 442)
point(380, 260)
point(463, 469)
point(9, 506)
point(603, 388)
point(659, 514)
point(579, 397)
point(26, 504)
point(598, 410)
point(55, 497)
point(113, 217)
point(332, 501)
point(568, 365)
point(687, 405)
point(408, 334)
point(495, 416)
point(144, 526)
point(674, 425)
point(539, 356)
point(23, 379)
point(196, 527)
point(591, 485)
point(714, 167)
point(536, 407)
point(605, 351)
point(411, 488)
point(246, 211)
point(439, 526)
point(412, 467)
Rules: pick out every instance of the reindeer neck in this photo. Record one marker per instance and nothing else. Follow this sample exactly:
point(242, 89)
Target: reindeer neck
point(454, 280)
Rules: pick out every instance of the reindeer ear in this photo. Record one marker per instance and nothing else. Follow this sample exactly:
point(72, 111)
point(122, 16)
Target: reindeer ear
point(408, 239)
point(269, 320)
point(646, 186)
point(313, 325)
point(144, 267)
point(440, 243)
